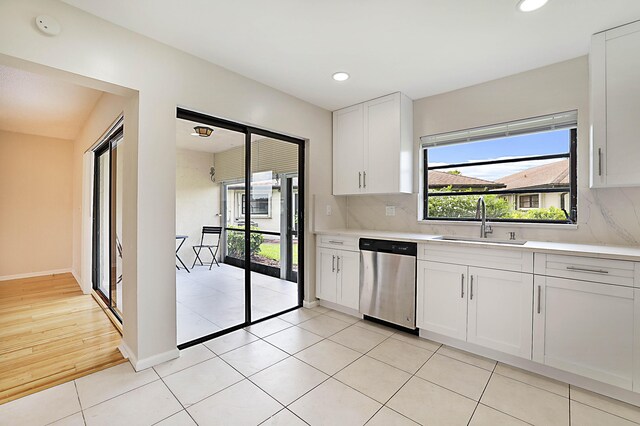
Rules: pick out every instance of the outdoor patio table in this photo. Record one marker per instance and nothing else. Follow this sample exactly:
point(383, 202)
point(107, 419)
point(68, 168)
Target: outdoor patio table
point(182, 239)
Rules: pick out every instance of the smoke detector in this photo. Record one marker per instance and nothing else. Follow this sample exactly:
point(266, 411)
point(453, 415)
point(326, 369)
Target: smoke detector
point(48, 25)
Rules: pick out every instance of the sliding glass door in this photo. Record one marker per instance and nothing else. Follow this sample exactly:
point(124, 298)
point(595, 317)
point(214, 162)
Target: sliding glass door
point(274, 286)
point(107, 221)
point(260, 192)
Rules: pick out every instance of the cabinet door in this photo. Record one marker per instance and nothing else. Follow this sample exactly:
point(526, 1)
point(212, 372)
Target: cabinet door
point(623, 105)
point(382, 147)
point(348, 269)
point(348, 150)
point(615, 102)
point(585, 328)
point(442, 298)
point(500, 310)
point(326, 278)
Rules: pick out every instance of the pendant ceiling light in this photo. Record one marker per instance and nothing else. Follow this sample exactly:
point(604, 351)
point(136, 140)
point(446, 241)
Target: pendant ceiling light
point(202, 131)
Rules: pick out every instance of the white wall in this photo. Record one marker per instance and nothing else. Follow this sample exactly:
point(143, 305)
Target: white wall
point(197, 200)
point(35, 205)
point(607, 216)
point(91, 51)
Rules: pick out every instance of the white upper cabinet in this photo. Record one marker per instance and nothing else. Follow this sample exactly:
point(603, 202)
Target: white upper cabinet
point(348, 146)
point(373, 147)
point(615, 107)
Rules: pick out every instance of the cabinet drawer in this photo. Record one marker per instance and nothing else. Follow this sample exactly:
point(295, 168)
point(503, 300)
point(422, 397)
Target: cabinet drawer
point(607, 271)
point(506, 259)
point(340, 242)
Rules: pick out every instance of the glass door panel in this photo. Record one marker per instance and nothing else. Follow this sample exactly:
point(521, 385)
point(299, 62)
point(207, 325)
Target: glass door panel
point(107, 221)
point(101, 262)
point(116, 224)
point(210, 172)
point(274, 288)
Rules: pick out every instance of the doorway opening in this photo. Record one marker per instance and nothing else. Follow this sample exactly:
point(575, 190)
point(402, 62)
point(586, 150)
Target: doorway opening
point(239, 195)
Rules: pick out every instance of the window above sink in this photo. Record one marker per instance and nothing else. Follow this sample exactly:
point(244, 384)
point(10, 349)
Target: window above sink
point(525, 170)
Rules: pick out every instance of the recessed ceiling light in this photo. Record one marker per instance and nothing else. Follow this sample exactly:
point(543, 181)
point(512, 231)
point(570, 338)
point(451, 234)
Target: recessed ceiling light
point(530, 5)
point(340, 76)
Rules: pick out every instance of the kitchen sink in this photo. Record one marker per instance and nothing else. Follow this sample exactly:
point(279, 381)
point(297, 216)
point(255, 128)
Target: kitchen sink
point(483, 240)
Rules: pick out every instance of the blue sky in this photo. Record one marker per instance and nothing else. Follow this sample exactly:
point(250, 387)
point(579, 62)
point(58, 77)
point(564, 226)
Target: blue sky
point(555, 142)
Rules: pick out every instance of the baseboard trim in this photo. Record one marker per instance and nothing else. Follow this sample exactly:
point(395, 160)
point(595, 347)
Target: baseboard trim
point(143, 364)
point(76, 275)
point(340, 308)
point(535, 367)
point(35, 274)
point(310, 305)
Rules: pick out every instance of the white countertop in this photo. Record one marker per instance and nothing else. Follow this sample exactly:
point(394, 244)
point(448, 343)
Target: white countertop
point(599, 251)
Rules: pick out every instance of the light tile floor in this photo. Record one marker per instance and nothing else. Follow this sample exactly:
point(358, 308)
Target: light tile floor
point(212, 300)
point(314, 366)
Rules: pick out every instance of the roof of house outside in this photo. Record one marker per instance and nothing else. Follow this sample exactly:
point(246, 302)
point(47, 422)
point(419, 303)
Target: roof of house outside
point(550, 175)
point(438, 179)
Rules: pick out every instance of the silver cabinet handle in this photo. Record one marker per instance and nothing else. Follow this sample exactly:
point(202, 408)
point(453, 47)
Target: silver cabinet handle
point(333, 264)
point(539, 297)
point(462, 287)
point(336, 242)
point(471, 289)
point(359, 179)
point(593, 271)
point(338, 264)
point(364, 179)
point(599, 161)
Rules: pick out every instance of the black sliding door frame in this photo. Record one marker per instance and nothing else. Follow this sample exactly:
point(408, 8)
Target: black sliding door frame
point(107, 147)
point(249, 131)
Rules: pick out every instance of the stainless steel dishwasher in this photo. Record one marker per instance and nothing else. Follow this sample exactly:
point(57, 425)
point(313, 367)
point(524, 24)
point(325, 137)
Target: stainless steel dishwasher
point(388, 281)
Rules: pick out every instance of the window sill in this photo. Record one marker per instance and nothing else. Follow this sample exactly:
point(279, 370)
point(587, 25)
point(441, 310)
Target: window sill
point(564, 226)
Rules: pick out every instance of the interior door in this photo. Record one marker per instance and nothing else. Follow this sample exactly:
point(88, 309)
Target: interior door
point(500, 310)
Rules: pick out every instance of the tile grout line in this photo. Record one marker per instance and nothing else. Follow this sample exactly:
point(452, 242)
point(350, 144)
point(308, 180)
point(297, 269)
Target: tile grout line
point(179, 402)
point(569, 394)
point(486, 385)
point(127, 391)
point(402, 386)
point(330, 376)
point(75, 385)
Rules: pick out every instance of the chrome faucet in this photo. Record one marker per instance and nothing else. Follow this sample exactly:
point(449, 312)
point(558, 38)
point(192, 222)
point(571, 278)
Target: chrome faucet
point(481, 213)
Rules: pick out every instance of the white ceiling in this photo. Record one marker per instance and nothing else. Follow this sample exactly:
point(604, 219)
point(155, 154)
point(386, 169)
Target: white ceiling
point(220, 140)
point(419, 47)
point(39, 105)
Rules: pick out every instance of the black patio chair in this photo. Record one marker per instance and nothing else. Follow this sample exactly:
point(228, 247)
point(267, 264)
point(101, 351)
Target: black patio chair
point(208, 230)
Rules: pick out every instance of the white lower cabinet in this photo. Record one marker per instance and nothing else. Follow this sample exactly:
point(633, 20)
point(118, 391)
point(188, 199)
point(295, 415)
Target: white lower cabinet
point(338, 277)
point(442, 298)
point(586, 328)
point(487, 307)
point(500, 306)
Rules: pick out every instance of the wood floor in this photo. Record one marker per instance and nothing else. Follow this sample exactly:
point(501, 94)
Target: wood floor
point(50, 333)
